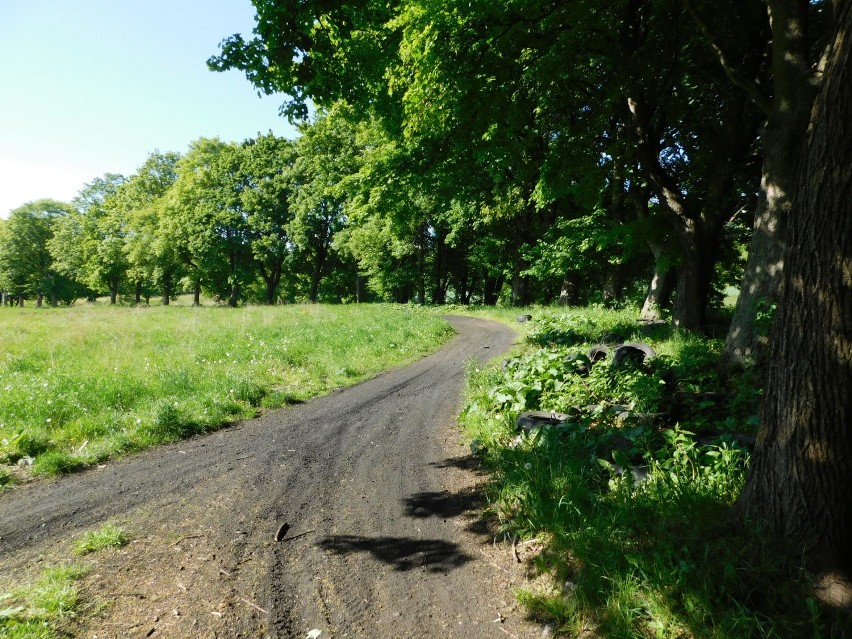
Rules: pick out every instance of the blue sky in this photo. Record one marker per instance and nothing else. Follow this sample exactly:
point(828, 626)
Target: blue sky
point(93, 86)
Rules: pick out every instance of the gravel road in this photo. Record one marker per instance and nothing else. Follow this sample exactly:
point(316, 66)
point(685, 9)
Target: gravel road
point(369, 492)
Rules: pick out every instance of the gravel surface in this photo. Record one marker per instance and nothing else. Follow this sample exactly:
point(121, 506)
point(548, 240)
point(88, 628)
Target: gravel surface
point(356, 514)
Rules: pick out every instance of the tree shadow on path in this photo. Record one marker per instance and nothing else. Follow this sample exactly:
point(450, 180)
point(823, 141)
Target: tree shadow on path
point(403, 553)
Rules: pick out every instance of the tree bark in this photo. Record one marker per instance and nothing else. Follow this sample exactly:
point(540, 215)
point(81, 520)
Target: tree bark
point(802, 466)
point(491, 289)
point(234, 297)
point(793, 91)
point(167, 289)
point(569, 294)
point(316, 275)
point(662, 284)
point(196, 294)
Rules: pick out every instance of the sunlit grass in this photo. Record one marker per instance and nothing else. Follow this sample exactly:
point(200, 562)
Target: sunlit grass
point(663, 557)
point(35, 611)
point(78, 385)
point(106, 537)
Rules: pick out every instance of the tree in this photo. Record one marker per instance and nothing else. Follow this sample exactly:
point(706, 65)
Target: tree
point(89, 244)
point(267, 165)
point(327, 154)
point(151, 248)
point(802, 468)
point(212, 230)
point(25, 259)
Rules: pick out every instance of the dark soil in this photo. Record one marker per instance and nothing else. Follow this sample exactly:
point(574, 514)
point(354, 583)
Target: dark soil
point(374, 499)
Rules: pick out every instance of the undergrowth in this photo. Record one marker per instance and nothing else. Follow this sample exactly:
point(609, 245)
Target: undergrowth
point(630, 491)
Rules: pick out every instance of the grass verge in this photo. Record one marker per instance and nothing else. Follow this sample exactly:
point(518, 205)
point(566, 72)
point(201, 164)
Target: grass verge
point(81, 384)
point(46, 608)
point(629, 497)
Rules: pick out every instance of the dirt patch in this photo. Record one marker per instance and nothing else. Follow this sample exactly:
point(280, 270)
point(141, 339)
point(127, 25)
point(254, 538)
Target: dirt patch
point(371, 488)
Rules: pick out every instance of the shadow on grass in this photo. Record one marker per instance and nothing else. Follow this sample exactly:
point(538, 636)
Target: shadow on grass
point(402, 553)
point(662, 559)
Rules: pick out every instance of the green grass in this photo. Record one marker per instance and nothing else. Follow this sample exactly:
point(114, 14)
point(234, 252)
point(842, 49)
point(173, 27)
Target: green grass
point(661, 558)
point(43, 609)
point(81, 384)
point(38, 610)
point(107, 536)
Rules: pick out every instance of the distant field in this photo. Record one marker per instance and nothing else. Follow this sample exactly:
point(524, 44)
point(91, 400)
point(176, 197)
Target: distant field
point(78, 385)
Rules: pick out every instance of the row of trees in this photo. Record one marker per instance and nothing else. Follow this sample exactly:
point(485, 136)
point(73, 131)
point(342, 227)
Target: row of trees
point(470, 152)
point(594, 143)
point(238, 221)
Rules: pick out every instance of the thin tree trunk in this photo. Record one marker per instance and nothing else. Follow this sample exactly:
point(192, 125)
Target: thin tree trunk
point(569, 293)
point(167, 289)
point(614, 283)
point(802, 466)
point(196, 294)
point(359, 289)
point(662, 284)
point(234, 297)
point(316, 275)
point(138, 298)
point(113, 292)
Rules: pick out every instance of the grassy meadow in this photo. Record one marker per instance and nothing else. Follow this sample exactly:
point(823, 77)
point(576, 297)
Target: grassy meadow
point(82, 384)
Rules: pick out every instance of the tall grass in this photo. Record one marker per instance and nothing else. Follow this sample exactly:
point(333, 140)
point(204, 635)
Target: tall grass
point(78, 385)
point(631, 509)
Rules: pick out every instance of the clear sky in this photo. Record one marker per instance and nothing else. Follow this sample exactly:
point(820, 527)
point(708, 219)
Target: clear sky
point(89, 87)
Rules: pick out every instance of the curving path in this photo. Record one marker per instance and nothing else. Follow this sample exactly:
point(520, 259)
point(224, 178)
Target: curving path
point(368, 491)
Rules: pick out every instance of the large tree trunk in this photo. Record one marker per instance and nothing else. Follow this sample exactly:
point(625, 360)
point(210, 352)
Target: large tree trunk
point(196, 294)
point(802, 466)
point(520, 284)
point(113, 291)
point(782, 138)
point(491, 289)
point(699, 250)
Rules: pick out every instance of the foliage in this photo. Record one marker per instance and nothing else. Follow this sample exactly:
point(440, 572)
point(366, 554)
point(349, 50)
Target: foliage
point(629, 497)
point(85, 383)
point(88, 244)
point(27, 268)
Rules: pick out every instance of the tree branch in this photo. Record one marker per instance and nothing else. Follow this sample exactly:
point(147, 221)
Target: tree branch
point(739, 79)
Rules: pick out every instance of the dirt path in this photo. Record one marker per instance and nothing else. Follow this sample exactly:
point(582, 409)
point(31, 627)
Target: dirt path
point(377, 495)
